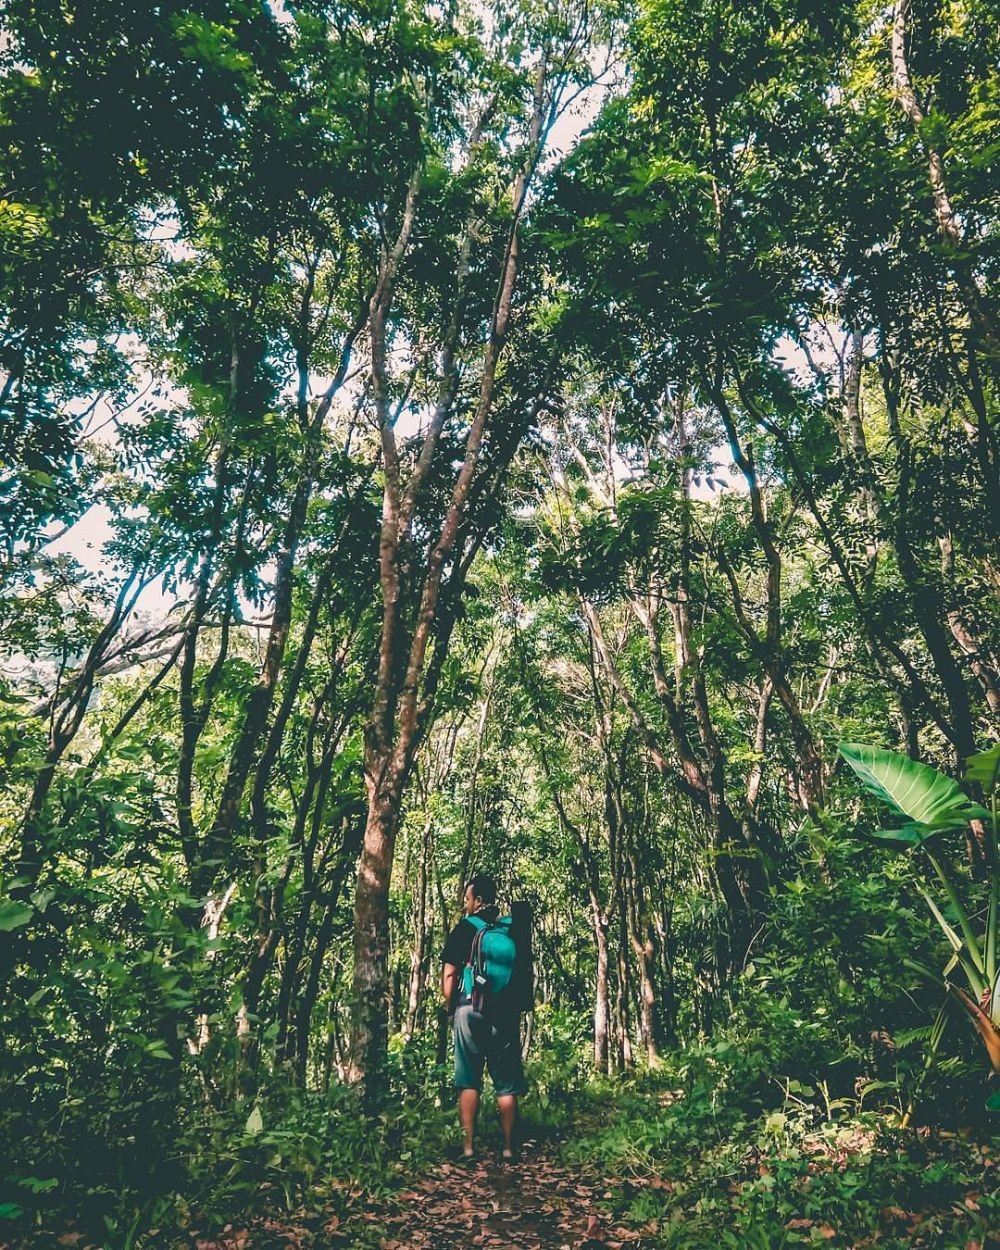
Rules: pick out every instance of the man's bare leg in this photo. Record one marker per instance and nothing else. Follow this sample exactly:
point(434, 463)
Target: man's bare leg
point(507, 1106)
point(468, 1105)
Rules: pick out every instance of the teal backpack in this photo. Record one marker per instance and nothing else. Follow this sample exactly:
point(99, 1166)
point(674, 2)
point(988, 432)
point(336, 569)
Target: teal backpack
point(491, 961)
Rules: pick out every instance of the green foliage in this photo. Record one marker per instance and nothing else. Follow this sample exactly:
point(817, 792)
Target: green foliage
point(935, 804)
point(983, 769)
point(752, 377)
point(931, 800)
point(690, 1167)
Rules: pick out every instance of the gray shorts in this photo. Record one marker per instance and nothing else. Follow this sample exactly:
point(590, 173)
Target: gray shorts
point(498, 1046)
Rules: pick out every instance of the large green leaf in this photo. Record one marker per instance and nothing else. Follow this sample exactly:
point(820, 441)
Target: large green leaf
point(13, 915)
point(983, 768)
point(910, 835)
point(913, 789)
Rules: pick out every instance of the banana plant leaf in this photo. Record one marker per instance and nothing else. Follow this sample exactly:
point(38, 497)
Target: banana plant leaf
point(954, 941)
point(912, 789)
point(907, 836)
point(923, 970)
point(984, 768)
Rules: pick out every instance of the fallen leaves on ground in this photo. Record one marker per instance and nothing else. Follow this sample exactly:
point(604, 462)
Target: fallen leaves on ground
point(535, 1204)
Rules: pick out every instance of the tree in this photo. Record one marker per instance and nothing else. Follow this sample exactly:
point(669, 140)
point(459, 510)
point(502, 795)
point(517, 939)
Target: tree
point(427, 544)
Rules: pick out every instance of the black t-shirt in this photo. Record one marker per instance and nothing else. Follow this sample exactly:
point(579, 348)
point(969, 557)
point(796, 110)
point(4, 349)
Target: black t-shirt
point(457, 950)
point(458, 947)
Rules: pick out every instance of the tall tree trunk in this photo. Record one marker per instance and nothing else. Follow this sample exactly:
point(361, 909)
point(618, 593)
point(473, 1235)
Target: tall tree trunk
point(403, 694)
point(944, 211)
point(602, 1005)
point(644, 949)
point(218, 843)
point(418, 953)
point(369, 1033)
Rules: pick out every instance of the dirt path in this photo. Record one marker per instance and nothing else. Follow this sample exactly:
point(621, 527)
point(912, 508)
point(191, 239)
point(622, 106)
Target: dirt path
point(535, 1203)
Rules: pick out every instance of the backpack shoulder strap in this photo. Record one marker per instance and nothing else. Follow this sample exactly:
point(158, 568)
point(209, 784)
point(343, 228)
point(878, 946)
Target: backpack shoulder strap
point(477, 922)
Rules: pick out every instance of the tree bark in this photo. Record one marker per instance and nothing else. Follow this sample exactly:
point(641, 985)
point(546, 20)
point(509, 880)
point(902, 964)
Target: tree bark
point(418, 953)
point(369, 1032)
point(644, 949)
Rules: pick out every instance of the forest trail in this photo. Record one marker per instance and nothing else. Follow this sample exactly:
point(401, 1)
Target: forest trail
point(537, 1203)
point(534, 1204)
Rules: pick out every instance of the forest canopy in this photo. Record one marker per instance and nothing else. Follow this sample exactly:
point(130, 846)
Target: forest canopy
point(556, 439)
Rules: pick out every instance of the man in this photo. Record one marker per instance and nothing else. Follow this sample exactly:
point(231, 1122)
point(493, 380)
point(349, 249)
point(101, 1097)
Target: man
point(492, 1039)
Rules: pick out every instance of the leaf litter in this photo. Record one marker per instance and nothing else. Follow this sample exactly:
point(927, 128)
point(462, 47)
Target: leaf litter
point(534, 1204)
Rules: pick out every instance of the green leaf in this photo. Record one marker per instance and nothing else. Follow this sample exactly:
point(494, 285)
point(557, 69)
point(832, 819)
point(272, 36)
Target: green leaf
point(913, 789)
point(37, 1185)
point(255, 1122)
point(983, 768)
point(954, 940)
point(10, 1211)
point(922, 970)
point(42, 898)
point(13, 915)
point(908, 835)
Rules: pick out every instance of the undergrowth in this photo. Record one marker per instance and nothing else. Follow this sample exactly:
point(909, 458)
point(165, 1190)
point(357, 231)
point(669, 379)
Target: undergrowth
point(691, 1164)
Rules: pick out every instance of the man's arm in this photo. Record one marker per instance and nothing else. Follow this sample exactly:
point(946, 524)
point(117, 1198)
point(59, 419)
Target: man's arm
point(449, 979)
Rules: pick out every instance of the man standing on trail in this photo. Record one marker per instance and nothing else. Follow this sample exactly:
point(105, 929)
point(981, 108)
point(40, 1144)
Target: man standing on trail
point(487, 1019)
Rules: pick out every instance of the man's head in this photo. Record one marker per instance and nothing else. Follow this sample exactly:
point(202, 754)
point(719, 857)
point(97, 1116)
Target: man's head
point(480, 892)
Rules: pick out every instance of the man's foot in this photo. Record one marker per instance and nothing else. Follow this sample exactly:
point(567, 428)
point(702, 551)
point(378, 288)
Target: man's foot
point(508, 1156)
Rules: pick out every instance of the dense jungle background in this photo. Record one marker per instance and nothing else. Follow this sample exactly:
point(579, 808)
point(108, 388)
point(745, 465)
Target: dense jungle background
point(553, 438)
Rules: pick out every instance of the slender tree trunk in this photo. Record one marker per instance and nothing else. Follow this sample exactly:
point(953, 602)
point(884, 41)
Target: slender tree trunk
point(602, 1004)
point(645, 955)
point(64, 725)
point(306, 998)
point(665, 980)
point(218, 843)
point(944, 211)
point(911, 686)
point(925, 603)
point(418, 954)
point(924, 596)
point(621, 1004)
point(471, 800)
